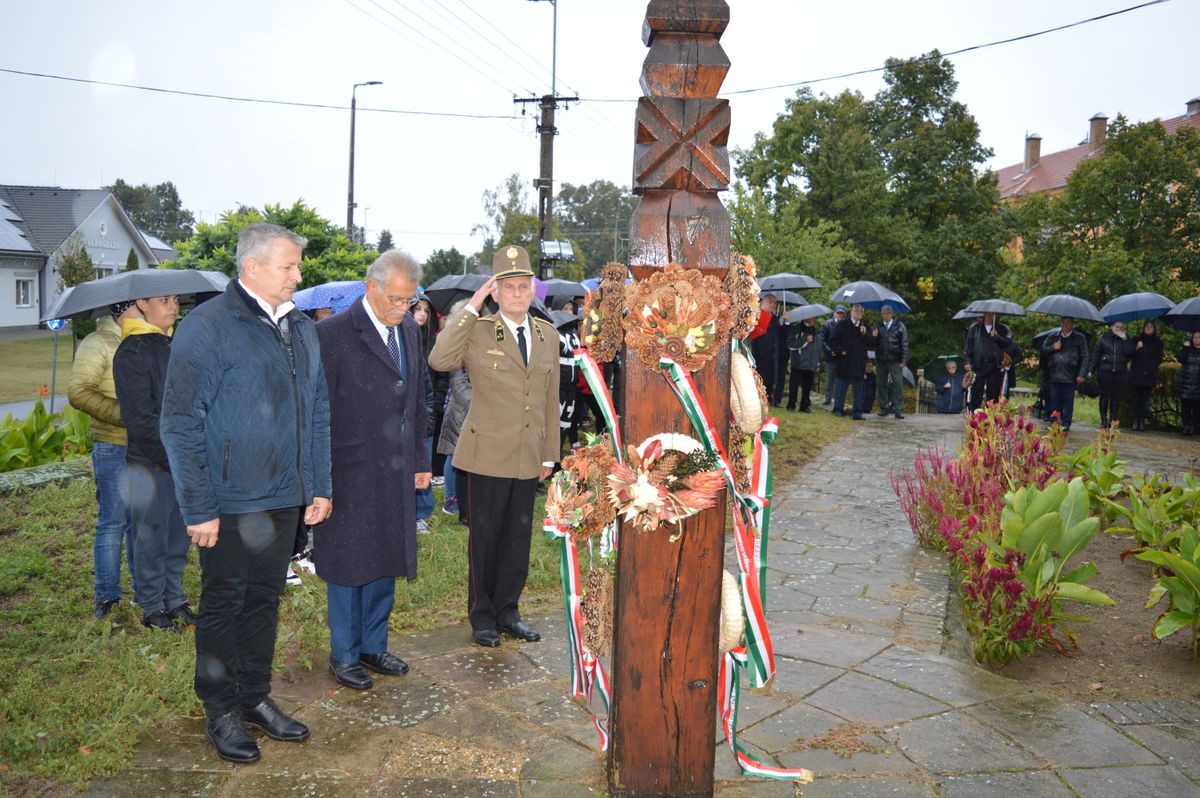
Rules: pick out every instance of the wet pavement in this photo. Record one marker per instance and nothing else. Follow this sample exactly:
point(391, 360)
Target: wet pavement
point(871, 692)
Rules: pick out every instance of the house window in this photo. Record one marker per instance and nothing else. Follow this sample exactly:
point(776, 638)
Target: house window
point(24, 293)
point(105, 271)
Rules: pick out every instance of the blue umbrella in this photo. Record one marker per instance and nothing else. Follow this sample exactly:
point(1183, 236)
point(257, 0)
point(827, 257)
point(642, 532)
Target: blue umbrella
point(870, 295)
point(336, 296)
point(1135, 307)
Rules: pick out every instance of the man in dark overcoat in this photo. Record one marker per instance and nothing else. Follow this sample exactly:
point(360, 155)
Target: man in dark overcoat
point(375, 369)
point(984, 345)
point(849, 343)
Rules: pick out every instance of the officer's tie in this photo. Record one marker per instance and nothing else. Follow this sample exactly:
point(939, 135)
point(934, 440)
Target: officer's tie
point(522, 345)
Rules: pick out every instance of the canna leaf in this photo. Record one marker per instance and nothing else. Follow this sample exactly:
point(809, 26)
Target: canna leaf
point(1156, 593)
point(1080, 573)
point(1171, 622)
point(1082, 593)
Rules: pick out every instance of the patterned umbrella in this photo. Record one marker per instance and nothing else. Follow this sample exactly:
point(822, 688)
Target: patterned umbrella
point(336, 296)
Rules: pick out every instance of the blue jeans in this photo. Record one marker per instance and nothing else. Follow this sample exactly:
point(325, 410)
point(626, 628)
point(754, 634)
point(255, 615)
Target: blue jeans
point(162, 539)
point(113, 523)
point(451, 485)
point(1062, 399)
point(425, 497)
point(839, 395)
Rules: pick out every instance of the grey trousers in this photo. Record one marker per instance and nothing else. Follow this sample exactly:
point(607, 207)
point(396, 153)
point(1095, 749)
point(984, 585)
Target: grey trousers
point(890, 378)
point(160, 537)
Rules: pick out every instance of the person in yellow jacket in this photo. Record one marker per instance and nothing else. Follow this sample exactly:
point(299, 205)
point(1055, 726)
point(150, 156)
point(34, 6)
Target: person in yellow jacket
point(92, 391)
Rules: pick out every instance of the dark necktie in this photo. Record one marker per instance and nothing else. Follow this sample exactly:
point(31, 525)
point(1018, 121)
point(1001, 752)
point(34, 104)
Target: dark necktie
point(524, 347)
point(394, 350)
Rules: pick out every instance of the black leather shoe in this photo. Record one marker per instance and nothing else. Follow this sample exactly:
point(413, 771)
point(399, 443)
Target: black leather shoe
point(229, 737)
point(159, 620)
point(269, 719)
point(899, 415)
point(184, 614)
point(884, 414)
point(521, 631)
point(352, 675)
point(386, 663)
point(488, 638)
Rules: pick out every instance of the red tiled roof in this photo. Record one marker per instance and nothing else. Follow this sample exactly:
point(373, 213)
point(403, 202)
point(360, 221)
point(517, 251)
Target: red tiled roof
point(1050, 173)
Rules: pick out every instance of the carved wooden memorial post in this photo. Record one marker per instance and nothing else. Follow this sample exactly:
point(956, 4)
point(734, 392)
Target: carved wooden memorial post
point(667, 603)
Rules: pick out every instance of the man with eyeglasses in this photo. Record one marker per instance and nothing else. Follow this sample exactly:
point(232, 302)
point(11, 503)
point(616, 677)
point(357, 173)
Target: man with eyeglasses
point(508, 441)
point(375, 370)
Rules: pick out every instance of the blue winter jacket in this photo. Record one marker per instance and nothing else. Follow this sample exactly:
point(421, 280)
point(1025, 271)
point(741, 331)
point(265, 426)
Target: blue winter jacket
point(246, 428)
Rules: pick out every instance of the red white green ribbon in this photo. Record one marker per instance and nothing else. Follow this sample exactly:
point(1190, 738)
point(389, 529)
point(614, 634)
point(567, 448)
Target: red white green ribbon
point(729, 694)
point(745, 507)
point(587, 673)
point(762, 484)
point(593, 374)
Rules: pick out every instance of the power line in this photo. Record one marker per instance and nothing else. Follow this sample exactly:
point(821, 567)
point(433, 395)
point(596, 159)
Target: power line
point(960, 51)
point(250, 100)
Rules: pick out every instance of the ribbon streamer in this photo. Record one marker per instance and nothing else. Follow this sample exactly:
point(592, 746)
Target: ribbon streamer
point(729, 694)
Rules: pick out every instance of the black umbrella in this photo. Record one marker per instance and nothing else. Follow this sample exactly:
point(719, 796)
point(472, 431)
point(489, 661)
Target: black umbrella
point(87, 300)
point(870, 295)
point(564, 288)
point(445, 290)
point(787, 297)
point(1067, 306)
point(1185, 316)
point(562, 318)
point(966, 314)
point(786, 281)
point(1000, 306)
point(806, 312)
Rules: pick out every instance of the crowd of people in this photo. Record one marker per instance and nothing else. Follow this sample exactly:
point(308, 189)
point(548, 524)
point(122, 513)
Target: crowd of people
point(237, 428)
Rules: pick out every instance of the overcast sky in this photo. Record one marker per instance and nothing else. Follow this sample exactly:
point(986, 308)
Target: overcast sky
point(423, 176)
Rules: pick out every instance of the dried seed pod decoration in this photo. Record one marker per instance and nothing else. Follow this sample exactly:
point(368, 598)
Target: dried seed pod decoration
point(601, 330)
point(679, 313)
point(742, 288)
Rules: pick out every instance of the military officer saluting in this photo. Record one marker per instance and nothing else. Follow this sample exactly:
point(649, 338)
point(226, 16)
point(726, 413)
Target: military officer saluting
point(509, 439)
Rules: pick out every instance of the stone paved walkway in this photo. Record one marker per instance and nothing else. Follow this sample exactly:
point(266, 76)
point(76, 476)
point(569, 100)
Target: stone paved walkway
point(857, 614)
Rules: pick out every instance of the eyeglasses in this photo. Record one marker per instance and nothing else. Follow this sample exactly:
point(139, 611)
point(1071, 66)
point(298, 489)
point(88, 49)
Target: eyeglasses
point(407, 301)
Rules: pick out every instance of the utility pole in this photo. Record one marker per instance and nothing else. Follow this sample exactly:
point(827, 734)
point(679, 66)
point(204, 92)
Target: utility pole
point(547, 131)
point(350, 191)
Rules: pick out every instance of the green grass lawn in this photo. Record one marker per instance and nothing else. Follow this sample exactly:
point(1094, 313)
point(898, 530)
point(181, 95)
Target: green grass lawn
point(75, 692)
point(25, 366)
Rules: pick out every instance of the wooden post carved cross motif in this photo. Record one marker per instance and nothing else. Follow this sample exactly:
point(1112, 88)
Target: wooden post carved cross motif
point(667, 602)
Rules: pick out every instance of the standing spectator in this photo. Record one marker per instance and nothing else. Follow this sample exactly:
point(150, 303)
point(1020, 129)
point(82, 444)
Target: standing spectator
point(161, 538)
point(870, 381)
point(1066, 357)
point(1189, 383)
point(984, 345)
point(423, 314)
point(849, 343)
point(1108, 364)
point(782, 356)
point(805, 358)
point(764, 340)
point(92, 391)
point(375, 369)
point(245, 422)
point(458, 402)
point(1143, 371)
point(950, 390)
point(568, 342)
point(827, 356)
point(509, 440)
point(891, 353)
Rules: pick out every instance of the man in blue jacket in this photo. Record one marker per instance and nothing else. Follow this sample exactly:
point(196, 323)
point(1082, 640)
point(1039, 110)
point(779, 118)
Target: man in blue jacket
point(245, 422)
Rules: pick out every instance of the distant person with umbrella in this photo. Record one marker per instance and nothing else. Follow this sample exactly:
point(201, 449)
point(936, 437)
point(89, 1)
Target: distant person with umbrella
point(1143, 371)
point(140, 375)
point(984, 346)
point(950, 390)
point(1109, 364)
point(839, 313)
point(891, 353)
point(1066, 359)
point(804, 358)
point(1189, 383)
point(764, 343)
point(849, 344)
point(93, 391)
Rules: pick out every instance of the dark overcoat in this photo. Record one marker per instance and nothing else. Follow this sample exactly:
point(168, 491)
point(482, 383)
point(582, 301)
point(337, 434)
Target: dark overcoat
point(849, 343)
point(377, 431)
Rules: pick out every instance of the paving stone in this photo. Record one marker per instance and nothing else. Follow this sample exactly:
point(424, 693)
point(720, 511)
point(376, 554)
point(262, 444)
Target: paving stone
point(1142, 712)
point(1063, 736)
point(822, 585)
point(781, 730)
point(857, 609)
point(1040, 783)
point(954, 743)
point(1176, 745)
point(797, 678)
point(543, 788)
point(481, 723)
point(880, 759)
point(157, 782)
point(441, 788)
point(891, 787)
point(567, 762)
point(478, 670)
point(872, 701)
point(827, 646)
point(954, 682)
point(276, 785)
point(552, 710)
point(1125, 782)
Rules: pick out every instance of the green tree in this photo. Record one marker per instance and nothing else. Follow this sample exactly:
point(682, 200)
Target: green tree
point(155, 209)
point(442, 262)
point(595, 218)
point(74, 264)
point(131, 261)
point(385, 242)
point(328, 256)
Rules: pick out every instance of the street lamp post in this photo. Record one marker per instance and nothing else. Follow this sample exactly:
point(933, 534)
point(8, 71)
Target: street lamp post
point(350, 193)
